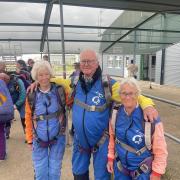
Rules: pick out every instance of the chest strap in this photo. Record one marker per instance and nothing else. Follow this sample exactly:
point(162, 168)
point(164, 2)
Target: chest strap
point(91, 108)
point(129, 148)
point(48, 116)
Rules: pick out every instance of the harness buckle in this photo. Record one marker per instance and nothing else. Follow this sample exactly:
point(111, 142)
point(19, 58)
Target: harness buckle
point(144, 168)
point(136, 174)
point(138, 153)
point(41, 117)
point(92, 108)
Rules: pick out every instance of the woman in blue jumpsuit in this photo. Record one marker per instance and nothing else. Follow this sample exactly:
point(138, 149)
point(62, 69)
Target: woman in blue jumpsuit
point(44, 119)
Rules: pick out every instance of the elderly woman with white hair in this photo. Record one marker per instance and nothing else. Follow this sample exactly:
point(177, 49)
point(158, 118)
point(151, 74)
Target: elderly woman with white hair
point(45, 123)
point(134, 154)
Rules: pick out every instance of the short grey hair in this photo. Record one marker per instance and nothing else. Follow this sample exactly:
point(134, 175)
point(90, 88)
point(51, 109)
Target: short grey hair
point(132, 82)
point(39, 65)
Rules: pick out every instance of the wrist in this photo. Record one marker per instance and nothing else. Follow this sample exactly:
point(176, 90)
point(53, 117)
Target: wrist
point(110, 159)
point(156, 174)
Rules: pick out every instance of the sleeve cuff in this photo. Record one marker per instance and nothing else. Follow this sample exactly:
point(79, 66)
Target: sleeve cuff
point(156, 174)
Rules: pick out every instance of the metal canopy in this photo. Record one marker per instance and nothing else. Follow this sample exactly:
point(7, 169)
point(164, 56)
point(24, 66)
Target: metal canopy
point(138, 5)
point(26, 24)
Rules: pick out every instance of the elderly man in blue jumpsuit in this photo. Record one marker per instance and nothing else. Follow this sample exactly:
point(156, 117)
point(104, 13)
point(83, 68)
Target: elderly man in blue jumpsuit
point(90, 115)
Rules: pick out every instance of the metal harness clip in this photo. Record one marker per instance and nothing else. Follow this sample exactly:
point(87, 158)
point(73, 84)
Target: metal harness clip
point(144, 168)
point(92, 108)
point(138, 153)
point(41, 117)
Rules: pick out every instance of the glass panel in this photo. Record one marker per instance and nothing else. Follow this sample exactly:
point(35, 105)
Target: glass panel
point(76, 15)
point(15, 32)
point(22, 12)
point(73, 47)
point(18, 48)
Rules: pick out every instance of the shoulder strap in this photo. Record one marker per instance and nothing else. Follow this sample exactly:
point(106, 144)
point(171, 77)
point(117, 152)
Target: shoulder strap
point(61, 95)
point(149, 129)
point(62, 101)
point(107, 88)
point(32, 100)
point(114, 116)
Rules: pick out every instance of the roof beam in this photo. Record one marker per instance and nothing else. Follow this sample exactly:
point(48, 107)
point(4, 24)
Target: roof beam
point(87, 27)
point(27, 1)
point(78, 40)
point(47, 16)
point(137, 26)
point(135, 5)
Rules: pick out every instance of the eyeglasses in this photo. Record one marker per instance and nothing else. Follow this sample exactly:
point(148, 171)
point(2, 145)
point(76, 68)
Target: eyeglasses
point(130, 94)
point(89, 62)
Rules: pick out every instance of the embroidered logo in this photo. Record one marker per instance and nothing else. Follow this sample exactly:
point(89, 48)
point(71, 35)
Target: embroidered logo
point(137, 139)
point(96, 99)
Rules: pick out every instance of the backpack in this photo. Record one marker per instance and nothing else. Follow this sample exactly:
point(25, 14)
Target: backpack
point(24, 80)
point(14, 88)
point(6, 104)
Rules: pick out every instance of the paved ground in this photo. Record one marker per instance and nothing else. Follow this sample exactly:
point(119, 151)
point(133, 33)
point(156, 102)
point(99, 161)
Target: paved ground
point(18, 165)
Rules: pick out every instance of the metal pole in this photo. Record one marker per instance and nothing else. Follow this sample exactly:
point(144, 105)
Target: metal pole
point(150, 71)
point(172, 137)
point(102, 61)
point(135, 44)
point(48, 46)
point(62, 38)
point(162, 100)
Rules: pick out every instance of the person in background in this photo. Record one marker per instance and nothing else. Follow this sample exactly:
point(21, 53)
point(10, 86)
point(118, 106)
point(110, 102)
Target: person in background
point(21, 70)
point(5, 77)
point(30, 65)
point(46, 58)
point(18, 95)
point(6, 114)
point(74, 77)
point(45, 121)
point(136, 158)
point(2, 67)
point(132, 69)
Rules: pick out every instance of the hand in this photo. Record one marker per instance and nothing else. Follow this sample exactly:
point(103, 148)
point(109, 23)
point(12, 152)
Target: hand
point(15, 107)
point(110, 167)
point(150, 113)
point(32, 87)
point(153, 177)
point(30, 147)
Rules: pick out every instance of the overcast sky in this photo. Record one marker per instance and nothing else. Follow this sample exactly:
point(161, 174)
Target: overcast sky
point(34, 13)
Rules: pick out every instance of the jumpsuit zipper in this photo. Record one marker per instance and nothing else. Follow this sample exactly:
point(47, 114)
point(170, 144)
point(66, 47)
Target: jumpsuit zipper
point(84, 124)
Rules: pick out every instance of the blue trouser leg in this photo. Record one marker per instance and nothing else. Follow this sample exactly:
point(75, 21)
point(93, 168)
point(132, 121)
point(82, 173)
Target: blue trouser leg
point(56, 154)
point(40, 161)
point(80, 160)
point(2, 142)
point(100, 162)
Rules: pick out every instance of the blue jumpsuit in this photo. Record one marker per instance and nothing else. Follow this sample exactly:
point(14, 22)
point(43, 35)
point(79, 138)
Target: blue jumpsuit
point(48, 161)
point(130, 130)
point(89, 128)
